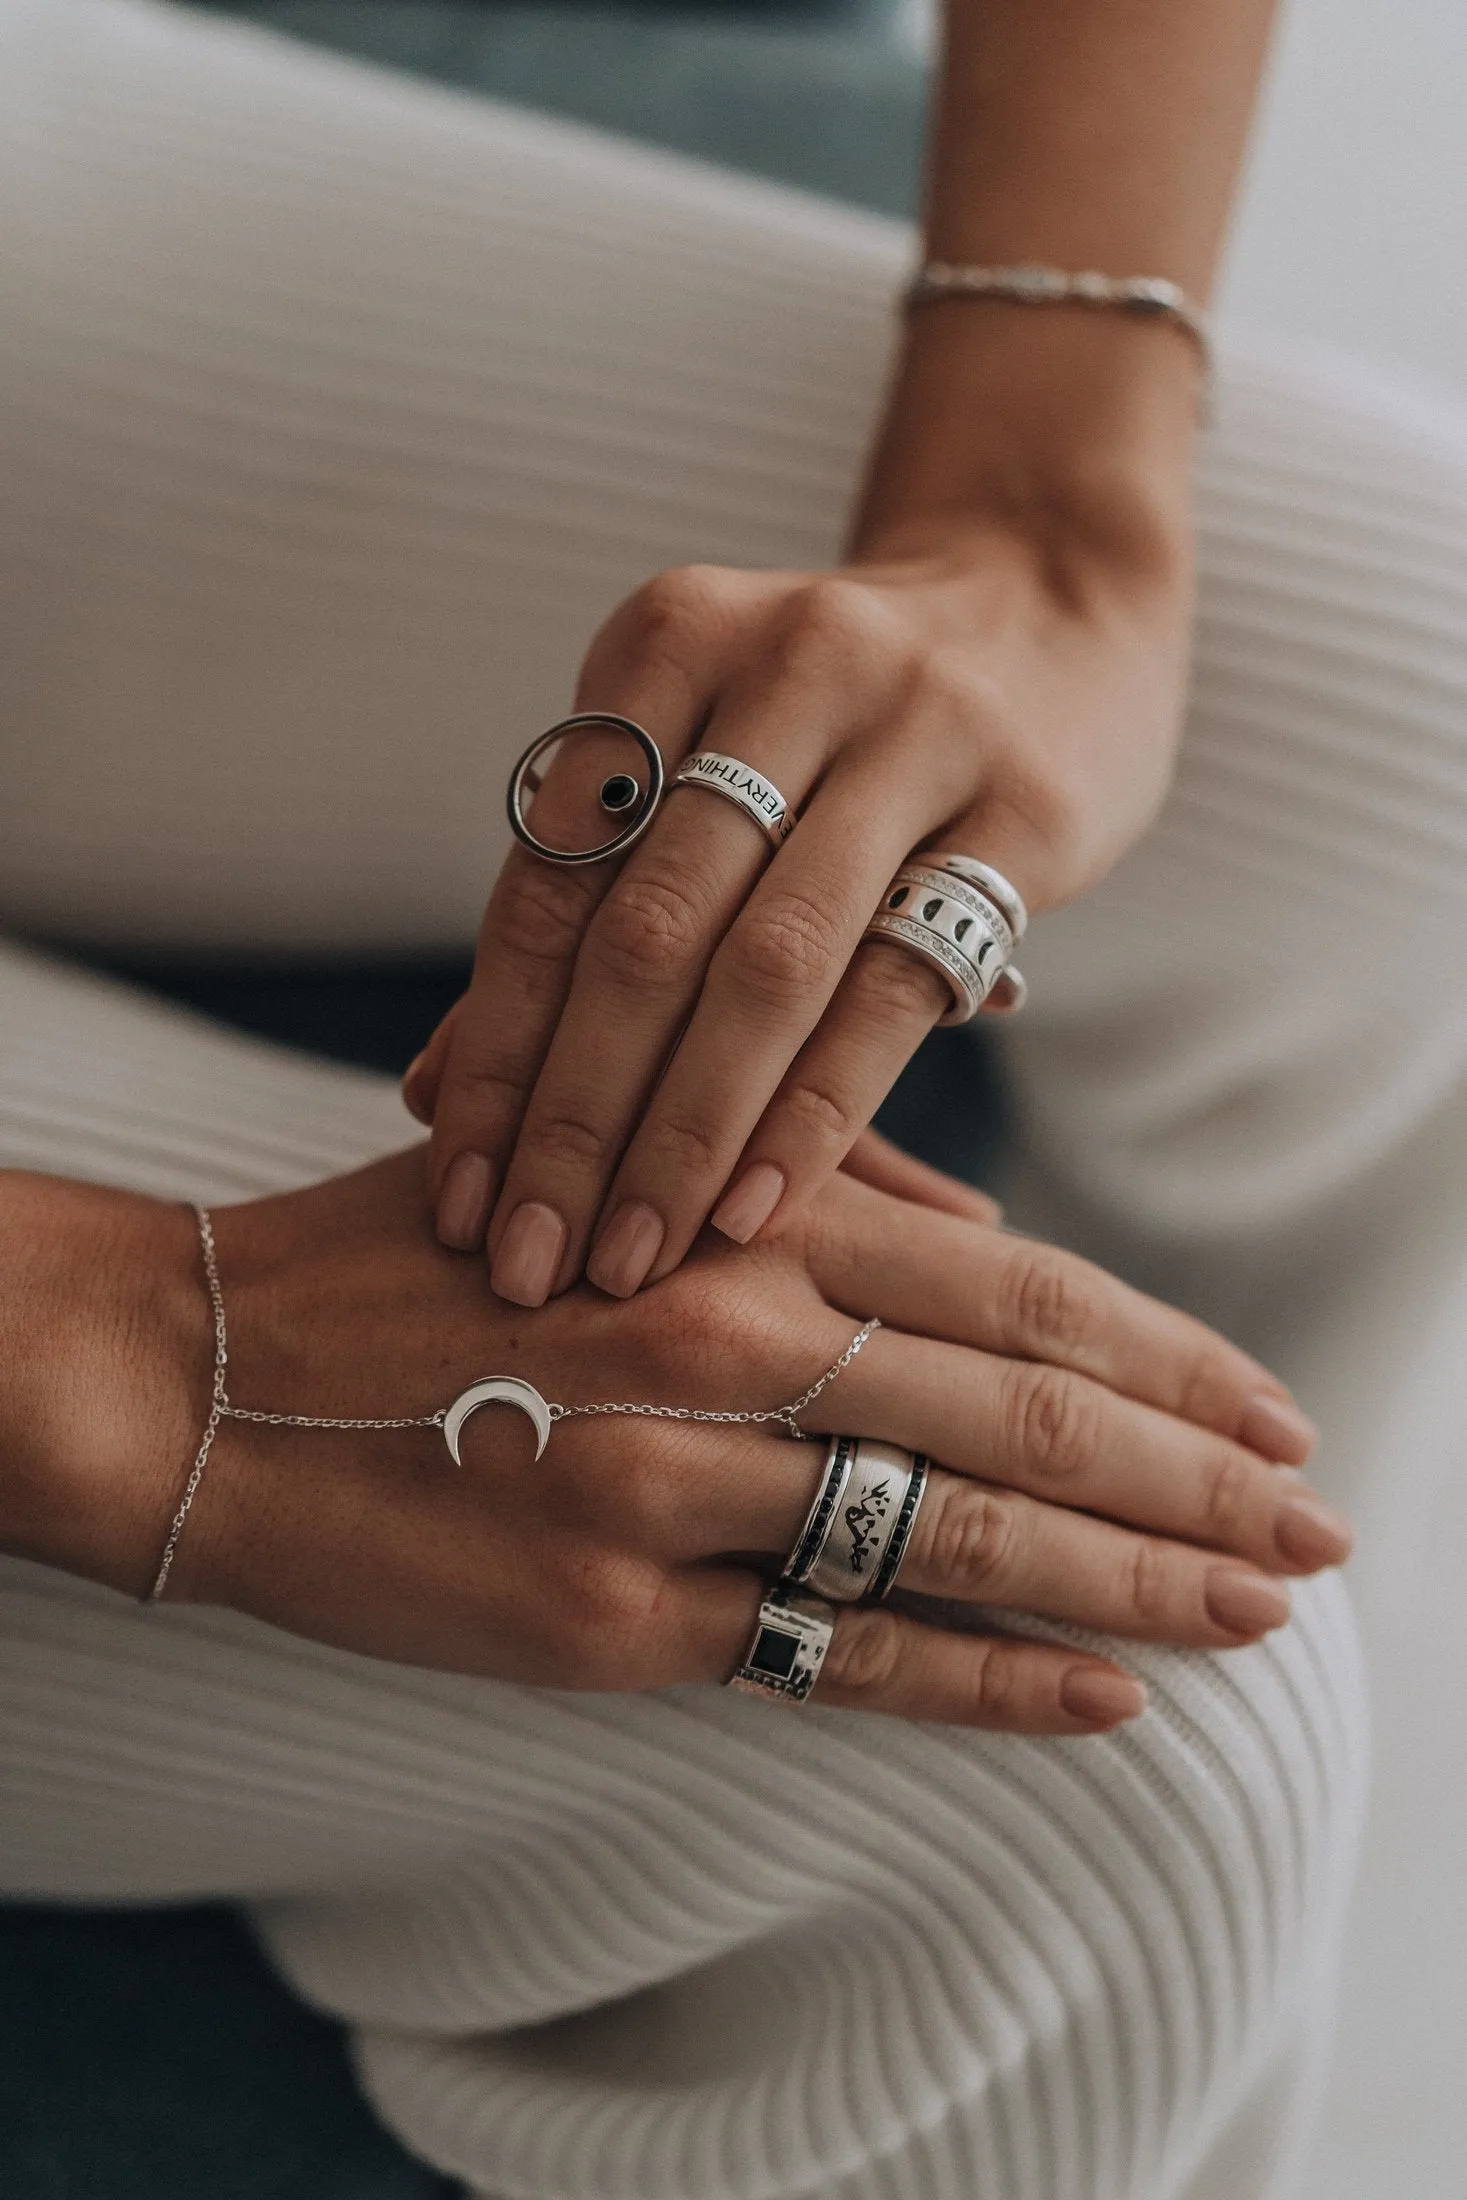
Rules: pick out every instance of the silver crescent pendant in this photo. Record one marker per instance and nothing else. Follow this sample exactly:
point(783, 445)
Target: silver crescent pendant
point(497, 1390)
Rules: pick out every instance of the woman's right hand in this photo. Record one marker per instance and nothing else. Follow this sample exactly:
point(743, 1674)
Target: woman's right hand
point(1105, 1459)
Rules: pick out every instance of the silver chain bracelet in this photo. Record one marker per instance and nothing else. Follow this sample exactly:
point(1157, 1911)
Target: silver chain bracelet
point(506, 1389)
point(1153, 296)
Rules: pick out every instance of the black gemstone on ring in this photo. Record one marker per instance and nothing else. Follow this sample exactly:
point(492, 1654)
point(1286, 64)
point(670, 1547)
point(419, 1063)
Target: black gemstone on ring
point(962, 928)
point(930, 908)
point(894, 901)
point(619, 792)
point(775, 1653)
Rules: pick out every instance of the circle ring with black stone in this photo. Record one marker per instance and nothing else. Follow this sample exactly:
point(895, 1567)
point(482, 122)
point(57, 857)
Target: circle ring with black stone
point(615, 798)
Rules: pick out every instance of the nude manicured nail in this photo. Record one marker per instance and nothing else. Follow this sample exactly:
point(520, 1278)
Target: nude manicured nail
point(751, 1202)
point(529, 1254)
point(1278, 1431)
point(1244, 1603)
point(1100, 1698)
point(464, 1202)
point(1310, 1534)
point(626, 1249)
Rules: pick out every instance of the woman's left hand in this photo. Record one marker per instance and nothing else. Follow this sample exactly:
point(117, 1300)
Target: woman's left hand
point(702, 1030)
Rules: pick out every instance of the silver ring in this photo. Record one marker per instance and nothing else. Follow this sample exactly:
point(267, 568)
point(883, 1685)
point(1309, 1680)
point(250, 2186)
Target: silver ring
point(901, 1534)
point(758, 798)
point(787, 1650)
point(612, 792)
point(950, 924)
point(834, 1475)
point(993, 884)
point(877, 1503)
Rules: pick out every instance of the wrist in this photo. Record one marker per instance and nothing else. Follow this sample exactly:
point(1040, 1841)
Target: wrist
point(1066, 421)
point(102, 1367)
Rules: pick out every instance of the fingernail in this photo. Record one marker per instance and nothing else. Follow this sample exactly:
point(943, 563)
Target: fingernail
point(1244, 1603)
point(1102, 1699)
point(751, 1202)
point(464, 1202)
point(1310, 1534)
point(529, 1254)
point(1277, 1431)
point(410, 1100)
point(626, 1249)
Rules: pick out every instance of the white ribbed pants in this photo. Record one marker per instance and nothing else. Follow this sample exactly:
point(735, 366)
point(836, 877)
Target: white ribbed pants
point(334, 412)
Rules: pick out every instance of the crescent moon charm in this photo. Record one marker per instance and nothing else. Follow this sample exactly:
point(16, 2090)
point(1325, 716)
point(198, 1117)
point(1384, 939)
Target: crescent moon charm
point(504, 1390)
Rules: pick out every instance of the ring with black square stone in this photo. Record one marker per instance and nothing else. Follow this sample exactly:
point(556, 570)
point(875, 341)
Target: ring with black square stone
point(791, 1637)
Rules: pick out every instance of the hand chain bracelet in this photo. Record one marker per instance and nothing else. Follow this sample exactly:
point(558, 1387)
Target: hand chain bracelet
point(489, 1390)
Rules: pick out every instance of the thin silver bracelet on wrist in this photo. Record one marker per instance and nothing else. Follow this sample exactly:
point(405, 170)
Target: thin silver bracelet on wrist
point(1151, 296)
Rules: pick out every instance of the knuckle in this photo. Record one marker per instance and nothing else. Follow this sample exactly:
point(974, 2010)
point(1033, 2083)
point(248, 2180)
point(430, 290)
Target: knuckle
point(1053, 1302)
point(974, 1539)
point(834, 614)
point(819, 1115)
point(1054, 1423)
point(566, 1141)
point(1207, 1383)
point(670, 616)
point(889, 988)
point(865, 1652)
point(1150, 1580)
point(534, 915)
point(1228, 1496)
point(785, 948)
point(647, 933)
point(998, 1691)
point(682, 1151)
point(609, 1631)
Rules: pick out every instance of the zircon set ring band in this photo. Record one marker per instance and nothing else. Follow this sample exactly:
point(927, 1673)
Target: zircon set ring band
point(853, 1542)
point(965, 919)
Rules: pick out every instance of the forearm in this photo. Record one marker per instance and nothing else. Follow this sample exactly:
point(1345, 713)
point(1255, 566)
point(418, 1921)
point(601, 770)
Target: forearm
point(102, 1374)
point(1100, 134)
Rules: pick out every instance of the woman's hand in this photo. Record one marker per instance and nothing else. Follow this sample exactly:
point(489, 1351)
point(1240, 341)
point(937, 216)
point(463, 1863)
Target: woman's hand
point(1103, 1457)
point(702, 1029)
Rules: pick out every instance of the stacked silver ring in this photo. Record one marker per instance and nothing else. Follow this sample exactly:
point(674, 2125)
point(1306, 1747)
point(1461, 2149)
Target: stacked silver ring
point(858, 1527)
point(965, 919)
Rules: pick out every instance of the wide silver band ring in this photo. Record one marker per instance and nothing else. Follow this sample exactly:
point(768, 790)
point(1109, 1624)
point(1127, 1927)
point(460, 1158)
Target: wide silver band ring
point(756, 796)
point(859, 1525)
point(645, 800)
point(956, 927)
point(788, 1646)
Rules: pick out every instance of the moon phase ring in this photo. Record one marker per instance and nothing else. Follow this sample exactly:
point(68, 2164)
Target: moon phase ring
point(965, 930)
point(620, 793)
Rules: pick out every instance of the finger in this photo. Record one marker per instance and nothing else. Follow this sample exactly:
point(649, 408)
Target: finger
point(980, 1544)
point(766, 989)
point(1065, 1438)
point(884, 1007)
point(637, 977)
point(658, 662)
point(874, 1160)
point(880, 1660)
point(931, 1274)
point(424, 1074)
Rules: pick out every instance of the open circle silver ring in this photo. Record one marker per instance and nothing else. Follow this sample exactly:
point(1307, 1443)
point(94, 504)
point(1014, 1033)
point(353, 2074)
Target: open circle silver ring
point(758, 798)
point(964, 930)
point(619, 793)
point(791, 1637)
point(856, 1535)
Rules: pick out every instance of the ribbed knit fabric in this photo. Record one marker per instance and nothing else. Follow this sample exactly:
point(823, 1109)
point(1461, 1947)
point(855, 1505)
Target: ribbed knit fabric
point(333, 413)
